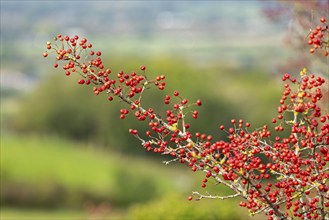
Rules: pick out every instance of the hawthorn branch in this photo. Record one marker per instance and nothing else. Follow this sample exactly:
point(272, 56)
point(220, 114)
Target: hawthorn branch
point(202, 196)
point(238, 162)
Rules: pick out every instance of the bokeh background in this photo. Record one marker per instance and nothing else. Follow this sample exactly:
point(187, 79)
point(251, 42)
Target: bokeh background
point(66, 154)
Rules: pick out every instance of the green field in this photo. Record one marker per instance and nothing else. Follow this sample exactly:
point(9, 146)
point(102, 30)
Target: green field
point(44, 159)
point(58, 179)
point(12, 213)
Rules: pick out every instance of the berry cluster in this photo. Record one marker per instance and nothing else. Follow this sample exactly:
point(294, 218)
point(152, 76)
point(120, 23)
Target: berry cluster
point(280, 176)
point(127, 86)
point(299, 163)
point(317, 37)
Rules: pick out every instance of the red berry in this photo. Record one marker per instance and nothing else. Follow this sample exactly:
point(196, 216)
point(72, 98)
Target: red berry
point(216, 169)
point(324, 150)
point(45, 54)
point(198, 102)
point(243, 204)
point(323, 20)
point(143, 67)
point(323, 119)
point(81, 81)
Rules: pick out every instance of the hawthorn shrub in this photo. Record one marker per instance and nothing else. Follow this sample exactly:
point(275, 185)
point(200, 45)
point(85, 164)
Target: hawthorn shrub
point(282, 177)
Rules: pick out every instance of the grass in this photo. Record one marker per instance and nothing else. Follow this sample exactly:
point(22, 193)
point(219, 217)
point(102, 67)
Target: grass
point(35, 214)
point(37, 160)
point(33, 159)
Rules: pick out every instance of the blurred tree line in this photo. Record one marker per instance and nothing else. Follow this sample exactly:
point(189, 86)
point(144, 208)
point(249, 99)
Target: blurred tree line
point(61, 107)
